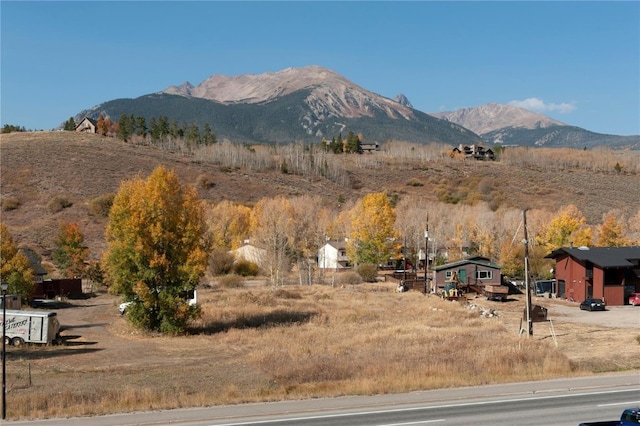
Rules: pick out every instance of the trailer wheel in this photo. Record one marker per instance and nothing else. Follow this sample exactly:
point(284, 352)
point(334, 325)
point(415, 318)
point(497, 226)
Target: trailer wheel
point(7, 340)
point(17, 341)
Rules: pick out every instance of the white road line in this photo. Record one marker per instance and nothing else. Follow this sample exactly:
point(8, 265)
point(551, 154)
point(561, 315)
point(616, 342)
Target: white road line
point(613, 404)
point(395, 410)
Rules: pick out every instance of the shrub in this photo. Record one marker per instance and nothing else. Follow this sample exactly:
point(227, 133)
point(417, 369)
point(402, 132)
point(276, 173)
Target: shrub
point(101, 205)
point(414, 182)
point(350, 277)
point(206, 181)
point(58, 204)
point(10, 203)
point(245, 268)
point(285, 294)
point(368, 272)
point(231, 281)
point(221, 262)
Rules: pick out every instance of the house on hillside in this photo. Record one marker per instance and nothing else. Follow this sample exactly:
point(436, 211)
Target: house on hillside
point(610, 273)
point(369, 147)
point(473, 274)
point(87, 125)
point(36, 264)
point(333, 255)
point(477, 152)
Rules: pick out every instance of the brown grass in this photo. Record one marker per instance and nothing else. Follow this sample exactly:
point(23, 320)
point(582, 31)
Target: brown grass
point(257, 344)
point(86, 170)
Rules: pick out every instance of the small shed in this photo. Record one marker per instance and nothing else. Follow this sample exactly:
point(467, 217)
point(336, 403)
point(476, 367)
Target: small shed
point(65, 287)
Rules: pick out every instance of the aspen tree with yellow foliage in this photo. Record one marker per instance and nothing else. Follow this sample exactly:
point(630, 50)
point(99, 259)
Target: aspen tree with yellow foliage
point(611, 233)
point(15, 268)
point(157, 249)
point(568, 228)
point(373, 238)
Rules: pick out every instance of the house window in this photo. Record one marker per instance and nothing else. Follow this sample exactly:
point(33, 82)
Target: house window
point(448, 274)
point(484, 275)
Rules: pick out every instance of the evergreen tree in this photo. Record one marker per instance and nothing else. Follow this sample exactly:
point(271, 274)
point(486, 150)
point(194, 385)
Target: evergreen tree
point(353, 143)
point(125, 127)
point(141, 127)
point(70, 125)
point(208, 137)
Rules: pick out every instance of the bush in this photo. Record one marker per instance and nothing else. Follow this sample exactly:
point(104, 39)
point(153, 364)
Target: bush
point(221, 262)
point(368, 272)
point(206, 181)
point(414, 182)
point(350, 277)
point(245, 268)
point(231, 281)
point(101, 205)
point(10, 203)
point(58, 204)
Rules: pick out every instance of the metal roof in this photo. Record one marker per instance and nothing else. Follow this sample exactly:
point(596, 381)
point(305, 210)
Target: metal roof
point(604, 257)
point(482, 261)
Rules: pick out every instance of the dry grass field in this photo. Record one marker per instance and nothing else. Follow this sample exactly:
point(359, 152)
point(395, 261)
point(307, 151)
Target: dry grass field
point(254, 343)
point(258, 344)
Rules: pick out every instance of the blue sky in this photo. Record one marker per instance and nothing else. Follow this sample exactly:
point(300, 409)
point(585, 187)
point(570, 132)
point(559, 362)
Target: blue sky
point(578, 62)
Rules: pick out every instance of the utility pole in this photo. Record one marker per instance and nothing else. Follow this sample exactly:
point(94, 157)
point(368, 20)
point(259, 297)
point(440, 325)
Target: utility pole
point(426, 258)
point(404, 259)
point(526, 272)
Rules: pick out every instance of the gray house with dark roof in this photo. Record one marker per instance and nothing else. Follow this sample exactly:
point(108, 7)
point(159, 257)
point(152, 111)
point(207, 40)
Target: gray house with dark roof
point(610, 273)
point(473, 274)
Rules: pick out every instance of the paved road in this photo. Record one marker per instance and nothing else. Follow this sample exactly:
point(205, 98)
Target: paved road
point(551, 403)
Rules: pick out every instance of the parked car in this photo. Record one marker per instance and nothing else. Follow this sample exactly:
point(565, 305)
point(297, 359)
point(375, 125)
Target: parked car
point(592, 304)
point(634, 299)
point(629, 417)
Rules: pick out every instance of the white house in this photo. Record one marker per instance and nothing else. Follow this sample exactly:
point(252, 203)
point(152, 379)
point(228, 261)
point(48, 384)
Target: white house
point(333, 255)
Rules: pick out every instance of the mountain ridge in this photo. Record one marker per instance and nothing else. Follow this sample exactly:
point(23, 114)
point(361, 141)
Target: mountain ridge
point(309, 103)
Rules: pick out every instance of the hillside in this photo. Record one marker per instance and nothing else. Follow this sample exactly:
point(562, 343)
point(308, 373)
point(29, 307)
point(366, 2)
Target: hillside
point(40, 167)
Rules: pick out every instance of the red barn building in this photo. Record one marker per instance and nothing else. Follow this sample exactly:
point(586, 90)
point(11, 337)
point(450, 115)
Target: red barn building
point(609, 273)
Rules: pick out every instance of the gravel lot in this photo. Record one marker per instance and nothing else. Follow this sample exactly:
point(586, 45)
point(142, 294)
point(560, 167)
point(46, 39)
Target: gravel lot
point(614, 316)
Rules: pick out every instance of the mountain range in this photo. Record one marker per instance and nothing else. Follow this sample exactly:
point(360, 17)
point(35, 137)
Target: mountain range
point(310, 103)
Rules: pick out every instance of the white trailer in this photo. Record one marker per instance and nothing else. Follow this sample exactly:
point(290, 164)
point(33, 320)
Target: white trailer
point(30, 327)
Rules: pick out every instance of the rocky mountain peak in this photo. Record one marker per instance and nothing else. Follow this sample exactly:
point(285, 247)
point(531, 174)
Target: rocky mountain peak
point(330, 93)
point(488, 117)
point(402, 100)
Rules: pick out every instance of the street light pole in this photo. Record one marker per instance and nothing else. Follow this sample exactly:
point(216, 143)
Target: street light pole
point(4, 286)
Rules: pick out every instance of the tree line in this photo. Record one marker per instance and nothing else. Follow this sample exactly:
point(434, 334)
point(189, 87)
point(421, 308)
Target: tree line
point(161, 240)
